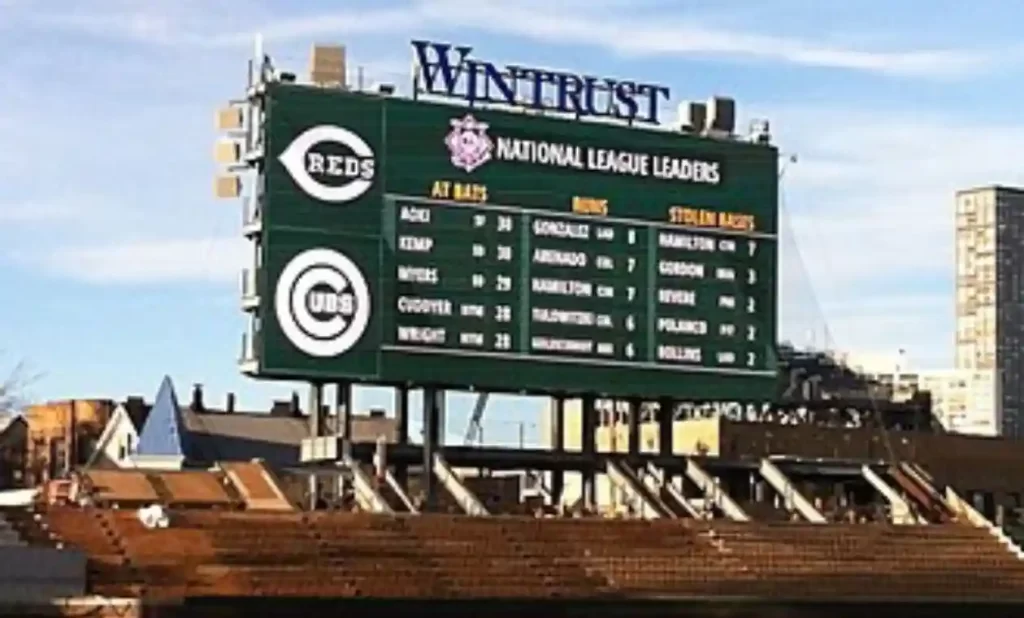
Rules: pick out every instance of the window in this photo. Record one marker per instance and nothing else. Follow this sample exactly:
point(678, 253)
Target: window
point(987, 212)
point(964, 294)
point(58, 457)
point(985, 240)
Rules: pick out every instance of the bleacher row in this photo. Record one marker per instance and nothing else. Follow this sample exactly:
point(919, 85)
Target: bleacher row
point(230, 485)
point(226, 553)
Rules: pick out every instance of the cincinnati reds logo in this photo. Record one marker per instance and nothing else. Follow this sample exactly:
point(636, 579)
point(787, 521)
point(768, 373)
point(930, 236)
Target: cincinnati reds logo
point(330, 163)
point(322, 302)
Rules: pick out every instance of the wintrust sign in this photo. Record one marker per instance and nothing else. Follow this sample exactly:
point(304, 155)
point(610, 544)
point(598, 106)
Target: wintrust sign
point(330, 163)
point(447, 70)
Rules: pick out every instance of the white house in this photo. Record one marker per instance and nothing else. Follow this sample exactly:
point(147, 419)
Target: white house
point(117, 443)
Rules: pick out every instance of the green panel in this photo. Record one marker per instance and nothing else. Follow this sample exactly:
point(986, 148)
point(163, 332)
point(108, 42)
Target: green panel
point(417, 156)
point(290, 112)
point(522, 276)
point(281, 357)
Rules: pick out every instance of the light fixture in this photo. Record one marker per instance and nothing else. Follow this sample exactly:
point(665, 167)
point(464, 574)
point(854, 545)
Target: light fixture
point(227, 186)
point(227, 151)
point(229, 119)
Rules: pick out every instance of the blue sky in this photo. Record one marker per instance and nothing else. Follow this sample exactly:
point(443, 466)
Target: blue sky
point(118, 266)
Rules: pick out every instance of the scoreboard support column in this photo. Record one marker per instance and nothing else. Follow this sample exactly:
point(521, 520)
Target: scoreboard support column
point(634, 429)
point(316, 429)
point(588, 425)
point(343, 410)
point(666, 418)
point(402, 439)
point(558, 443)
point(666, 421)
point(433, 409)
point(343, 425)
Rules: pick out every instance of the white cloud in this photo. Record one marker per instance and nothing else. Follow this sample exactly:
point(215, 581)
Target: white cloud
point(880, 326)
point(877, 326)
point(666, 35)
point(870, 200)
point(599, 24)
point(335, 23)
point(44, 212)
point(196, 259)
point(181, 22)
point(871, 207)
point(58, 208)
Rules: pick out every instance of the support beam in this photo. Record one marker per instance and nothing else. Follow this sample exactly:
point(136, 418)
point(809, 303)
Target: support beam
point(367, 496)
point(471, 505)
point(644, 503)
point(713, 492)
point(791, 496)
point(314, 407)
point(666, 409)
point(343, 424)
point(902, 514)
point(399, 490)
point(433, 401)
point(558, 443)
point(657, 481)
point(343, 411)
point(634, 429)
point(916, 483)
point(316, 430)
point(588, 425)
point(402, 420)
point(967, 513)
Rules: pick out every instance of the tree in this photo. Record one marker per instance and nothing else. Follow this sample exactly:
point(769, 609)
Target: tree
point(12, 388)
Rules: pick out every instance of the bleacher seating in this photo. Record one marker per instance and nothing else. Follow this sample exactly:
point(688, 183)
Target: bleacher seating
point(108, 486)
point(194, 489)
point(228, 553)
point(256, 485)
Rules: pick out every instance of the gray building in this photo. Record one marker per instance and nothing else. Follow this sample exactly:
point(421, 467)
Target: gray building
point(989, 295)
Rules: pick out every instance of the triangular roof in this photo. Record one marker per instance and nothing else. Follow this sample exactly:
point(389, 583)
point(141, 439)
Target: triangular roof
point(6, 418)
point(13, 429)
point(164, 434)
point(119, 418)
point(138, 411)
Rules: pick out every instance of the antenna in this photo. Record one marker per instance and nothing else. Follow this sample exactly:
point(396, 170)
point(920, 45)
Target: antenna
point(258, 48)
point(787, 160)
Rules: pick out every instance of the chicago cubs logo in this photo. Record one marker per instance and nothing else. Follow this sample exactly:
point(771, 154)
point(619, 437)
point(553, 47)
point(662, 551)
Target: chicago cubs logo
point(322, 302)
point(330, 163)
point(468, 143)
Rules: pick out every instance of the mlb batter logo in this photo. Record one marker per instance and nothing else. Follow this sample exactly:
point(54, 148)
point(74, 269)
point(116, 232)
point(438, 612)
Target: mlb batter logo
point(468, 143)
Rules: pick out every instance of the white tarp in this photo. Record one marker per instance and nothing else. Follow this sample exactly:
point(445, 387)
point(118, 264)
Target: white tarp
point(18, 497)
point(154, 516)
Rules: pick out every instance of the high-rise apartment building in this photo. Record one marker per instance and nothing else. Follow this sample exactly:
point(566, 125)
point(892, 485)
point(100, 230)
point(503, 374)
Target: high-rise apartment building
point(990, 296)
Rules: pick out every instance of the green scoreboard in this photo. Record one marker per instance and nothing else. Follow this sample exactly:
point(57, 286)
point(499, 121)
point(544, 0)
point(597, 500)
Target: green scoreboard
point(406, 242)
